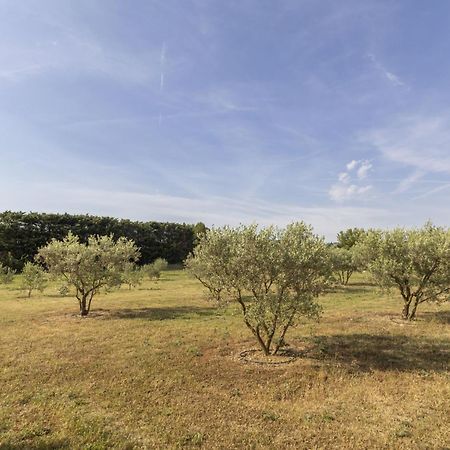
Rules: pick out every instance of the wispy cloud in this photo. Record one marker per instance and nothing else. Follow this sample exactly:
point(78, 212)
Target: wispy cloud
point(390, 76)
point(213, 210)
point(433, 191)
point(422, 142)
point(162, 60)
point(76, 54)
point(409, 181)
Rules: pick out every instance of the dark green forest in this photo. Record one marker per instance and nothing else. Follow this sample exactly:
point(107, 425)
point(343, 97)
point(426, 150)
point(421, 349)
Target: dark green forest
point(22, 234)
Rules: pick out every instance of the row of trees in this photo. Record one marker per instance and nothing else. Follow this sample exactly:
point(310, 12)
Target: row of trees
point(22, 234)
point(101, 263)
point(276, 275)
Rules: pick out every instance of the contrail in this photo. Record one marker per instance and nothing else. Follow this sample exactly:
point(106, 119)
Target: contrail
point(162, 63)
point(162, 60)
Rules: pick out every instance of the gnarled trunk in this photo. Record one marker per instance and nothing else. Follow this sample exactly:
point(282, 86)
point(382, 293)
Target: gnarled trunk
point(412, 314)
point(405, 312)
point(84, 309)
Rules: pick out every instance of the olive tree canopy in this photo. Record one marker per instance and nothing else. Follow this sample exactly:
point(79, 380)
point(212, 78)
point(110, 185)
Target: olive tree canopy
point(343, 263)
point(88, 267)
point(274, 275)
point(416, 261)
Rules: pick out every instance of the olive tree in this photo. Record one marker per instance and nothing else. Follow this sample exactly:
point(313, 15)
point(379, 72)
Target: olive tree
point(416, 262)
point(33, 278)
point(160, 264)
point(343, 264)
point(90, 266)
point(6, 274)
point(153, 270)
point(132, 275)
point(350, 237)
point(274, 275)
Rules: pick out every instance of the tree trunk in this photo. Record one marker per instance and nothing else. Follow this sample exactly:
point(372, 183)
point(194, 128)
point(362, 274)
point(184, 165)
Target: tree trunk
point(29, 293)
point(405, 312)
point(83, 308)
point(266, 348)
point(412, 314)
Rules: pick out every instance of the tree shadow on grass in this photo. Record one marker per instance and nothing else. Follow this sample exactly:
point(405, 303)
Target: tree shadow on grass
point(366, 352)
point(168, 313)
point(367, 284)
point(435, 316)
point(349, 290)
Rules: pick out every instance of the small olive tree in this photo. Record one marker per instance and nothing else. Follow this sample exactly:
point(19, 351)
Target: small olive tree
point(153, 270)
point(132, 275)
point(350, 237)
point(6, 274)
point(88, 267)
point(33, 278)
point(343, 264)
point(160, 264)
point(416, 262)
point(274, 275)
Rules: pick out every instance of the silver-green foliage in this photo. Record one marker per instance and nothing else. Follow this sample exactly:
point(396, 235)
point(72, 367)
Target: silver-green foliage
point(153, 270)
point(6, 274)
point(88, 267)
point(343, 263)
point(274, 275)
point(33, 278)
point(132, 275)
point(160, 264)
point(415, 261)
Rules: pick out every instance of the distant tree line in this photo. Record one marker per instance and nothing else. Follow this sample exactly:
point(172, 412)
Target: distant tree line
point(22, 234)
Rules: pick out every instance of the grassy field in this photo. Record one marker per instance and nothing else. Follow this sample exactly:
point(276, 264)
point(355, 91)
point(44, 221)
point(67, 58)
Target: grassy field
point(159, 367)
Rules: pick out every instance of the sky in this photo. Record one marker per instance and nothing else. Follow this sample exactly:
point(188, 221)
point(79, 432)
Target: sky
point(336, 113)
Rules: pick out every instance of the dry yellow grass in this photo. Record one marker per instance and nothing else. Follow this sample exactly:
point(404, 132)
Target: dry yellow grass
point(158, 367)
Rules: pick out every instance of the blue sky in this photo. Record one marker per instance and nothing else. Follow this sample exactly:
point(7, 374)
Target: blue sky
point(332, 112)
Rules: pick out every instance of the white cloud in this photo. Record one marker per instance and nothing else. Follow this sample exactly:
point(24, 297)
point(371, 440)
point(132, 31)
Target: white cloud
point(340, 192)
point(352, 164)
point(345, 190)
point(344, 177)
point(363, 169)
